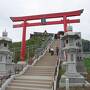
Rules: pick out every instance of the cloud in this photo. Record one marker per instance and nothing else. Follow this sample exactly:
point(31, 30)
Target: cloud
point(10, 8)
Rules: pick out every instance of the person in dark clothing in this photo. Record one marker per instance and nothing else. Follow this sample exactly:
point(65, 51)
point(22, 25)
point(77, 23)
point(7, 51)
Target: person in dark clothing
point(49, 50)
point(52, 51)
point(57, 50)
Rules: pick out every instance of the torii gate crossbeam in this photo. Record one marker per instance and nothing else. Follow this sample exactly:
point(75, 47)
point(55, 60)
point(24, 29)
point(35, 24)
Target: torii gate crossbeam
point(25, 24)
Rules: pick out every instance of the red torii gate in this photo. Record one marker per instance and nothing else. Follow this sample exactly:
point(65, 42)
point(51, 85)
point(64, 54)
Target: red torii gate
point(43, 18)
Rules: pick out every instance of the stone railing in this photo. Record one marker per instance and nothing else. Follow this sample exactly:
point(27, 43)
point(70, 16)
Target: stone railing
point(10, 78)
point(12, 69)
point(56, 73)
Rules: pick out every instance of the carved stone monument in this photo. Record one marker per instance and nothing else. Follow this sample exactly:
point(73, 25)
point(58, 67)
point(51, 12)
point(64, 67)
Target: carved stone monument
point(71, 49)
point(6, 66)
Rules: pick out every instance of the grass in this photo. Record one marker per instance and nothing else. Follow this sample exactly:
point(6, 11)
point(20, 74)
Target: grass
point(87, 63)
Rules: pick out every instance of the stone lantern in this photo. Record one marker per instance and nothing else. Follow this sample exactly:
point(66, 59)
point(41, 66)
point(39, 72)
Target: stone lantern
point(6, 66)
point(71, 50)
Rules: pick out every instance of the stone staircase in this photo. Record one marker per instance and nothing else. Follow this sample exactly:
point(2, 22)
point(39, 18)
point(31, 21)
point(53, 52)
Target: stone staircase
point(37, 77)
point(40, 71)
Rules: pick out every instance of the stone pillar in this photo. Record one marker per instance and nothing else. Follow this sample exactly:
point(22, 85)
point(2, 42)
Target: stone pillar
point(71, 64)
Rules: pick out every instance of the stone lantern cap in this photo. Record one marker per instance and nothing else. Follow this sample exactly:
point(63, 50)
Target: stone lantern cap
point(4, 37)
point(72, 35)
point(70, 28)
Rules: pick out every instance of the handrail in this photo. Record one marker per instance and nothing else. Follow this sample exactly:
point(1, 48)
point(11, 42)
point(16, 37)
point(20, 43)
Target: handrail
point(18, 68)
point(56, 74)
point(3, 78)
point(6, 75)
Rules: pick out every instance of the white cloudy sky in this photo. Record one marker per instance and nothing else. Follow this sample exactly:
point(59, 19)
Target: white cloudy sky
point(10, 8)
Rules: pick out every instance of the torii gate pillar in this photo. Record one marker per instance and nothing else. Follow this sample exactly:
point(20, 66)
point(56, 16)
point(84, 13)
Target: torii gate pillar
point(65, 23)
point(23, 47)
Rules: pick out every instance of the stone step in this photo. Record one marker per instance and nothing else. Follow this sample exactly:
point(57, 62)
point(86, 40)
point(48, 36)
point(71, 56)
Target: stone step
point(44, 72)
point(25, 88)
point(39, 70)
point(41, 67)
point(28, 77)
point(39, 73)
point(30, 85)
point(48, 71)
point(45, 82)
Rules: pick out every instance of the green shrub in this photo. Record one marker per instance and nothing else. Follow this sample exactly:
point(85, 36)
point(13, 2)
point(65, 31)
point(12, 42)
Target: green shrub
point(87, 63)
